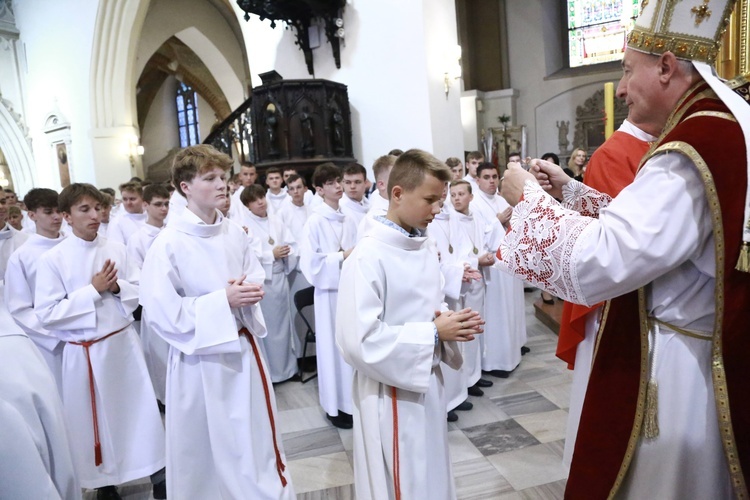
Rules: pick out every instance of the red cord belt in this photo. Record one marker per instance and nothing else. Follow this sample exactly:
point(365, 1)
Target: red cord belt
point(92, 390)
point(279, 463)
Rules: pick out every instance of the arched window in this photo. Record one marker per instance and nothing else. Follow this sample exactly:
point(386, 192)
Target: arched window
point(187, 115)
point(597, 29)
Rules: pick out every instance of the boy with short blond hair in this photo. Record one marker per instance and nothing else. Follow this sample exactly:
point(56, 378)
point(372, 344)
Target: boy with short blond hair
point(390, 294)
point(84, 296)
point(327, 240)
point(201, 284)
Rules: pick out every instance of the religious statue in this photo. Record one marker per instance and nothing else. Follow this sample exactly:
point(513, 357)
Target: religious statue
point(307, 133)
point(338, 132)
point(562, 136)
point(271, 123)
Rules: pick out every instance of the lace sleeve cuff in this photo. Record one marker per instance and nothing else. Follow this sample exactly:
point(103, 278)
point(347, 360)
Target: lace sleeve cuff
point(583, 199)
point(540, 246)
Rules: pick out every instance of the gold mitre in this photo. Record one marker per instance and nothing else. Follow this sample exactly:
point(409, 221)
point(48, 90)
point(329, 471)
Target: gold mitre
point(690, 29)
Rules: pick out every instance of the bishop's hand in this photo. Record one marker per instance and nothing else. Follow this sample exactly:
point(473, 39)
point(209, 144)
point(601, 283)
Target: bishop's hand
point(550, 176)
point(513, 181)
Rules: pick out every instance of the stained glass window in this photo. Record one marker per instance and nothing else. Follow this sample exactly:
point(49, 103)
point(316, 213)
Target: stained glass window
point(187, 115)
point(597, 29)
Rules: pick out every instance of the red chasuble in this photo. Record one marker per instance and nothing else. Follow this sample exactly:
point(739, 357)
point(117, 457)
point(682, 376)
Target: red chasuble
point(612, 417)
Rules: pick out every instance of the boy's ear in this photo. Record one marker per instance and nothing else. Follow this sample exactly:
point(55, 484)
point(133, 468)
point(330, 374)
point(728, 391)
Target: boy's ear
point(67, 217)
point(396, 193)
point(319, 190)
point(31, 214)
point(185, 187)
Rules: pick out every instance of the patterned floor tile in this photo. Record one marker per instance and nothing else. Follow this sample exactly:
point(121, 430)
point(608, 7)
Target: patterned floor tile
point(524, 403)
point(478, 480)
point(546, 426)
point(530, 466)
point(499, 437)
point(311, 443)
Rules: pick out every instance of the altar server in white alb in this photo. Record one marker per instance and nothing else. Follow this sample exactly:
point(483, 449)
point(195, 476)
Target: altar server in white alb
point(354, 203)
point(506, 321)
point(131, 216)
point(386, 328)
point(294, 214)
point(20, 276)
point(472, 250)
point(276, 194)
point(201, 284)
point(247, 177)
point(327, 240)
point(84, 297)
point(10, 239)
point(277, 251)
point(155, 350)
point(35, 459)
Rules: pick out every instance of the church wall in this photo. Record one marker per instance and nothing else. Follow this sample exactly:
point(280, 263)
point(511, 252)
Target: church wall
point(200, 26)
point(57, 38)
point(389, 65)
point(534, 37)
point(206, 118)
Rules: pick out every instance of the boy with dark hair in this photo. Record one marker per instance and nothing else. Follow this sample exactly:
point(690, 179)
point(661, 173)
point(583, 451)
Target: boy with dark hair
point(506, 322)
point(107, 202)
point(116, 431)
point(328, 239)
point(201, 287)
point(388, 330)
point(20, 276)
point(354, 203)
point(131, 216)
point(277, 251)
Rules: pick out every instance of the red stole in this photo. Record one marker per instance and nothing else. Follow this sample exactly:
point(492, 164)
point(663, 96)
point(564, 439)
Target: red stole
point(612, 167)
point(612, 412)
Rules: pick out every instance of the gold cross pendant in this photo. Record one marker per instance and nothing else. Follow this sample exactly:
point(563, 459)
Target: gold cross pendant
point(701, 12)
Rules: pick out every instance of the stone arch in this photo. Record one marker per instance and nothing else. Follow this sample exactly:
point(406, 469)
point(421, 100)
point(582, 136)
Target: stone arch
point(16, 148)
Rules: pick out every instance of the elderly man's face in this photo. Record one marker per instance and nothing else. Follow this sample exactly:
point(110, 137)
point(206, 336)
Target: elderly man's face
point(641, 89)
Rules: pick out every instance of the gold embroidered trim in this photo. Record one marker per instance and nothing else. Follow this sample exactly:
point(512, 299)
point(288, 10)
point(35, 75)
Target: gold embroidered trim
point(696, 48)
point(714, 114)
point(602, 322)
point(721, 393)
point(640, 407)
point(683, 331)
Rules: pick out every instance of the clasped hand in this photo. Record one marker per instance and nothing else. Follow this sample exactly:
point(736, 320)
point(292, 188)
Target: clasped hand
point(460, 325)
point(241, 294)
point(106, 278)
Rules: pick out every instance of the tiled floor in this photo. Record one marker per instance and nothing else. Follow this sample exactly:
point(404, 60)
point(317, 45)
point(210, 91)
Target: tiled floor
point(509, 446)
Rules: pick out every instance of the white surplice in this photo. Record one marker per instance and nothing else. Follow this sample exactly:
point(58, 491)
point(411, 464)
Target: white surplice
point(390, 289)
point(35, 459)
point(10, 240)
point(666, 243)
point(219, 439)
point(325, 237)
point(130, 427)
point(20, 282)
point(280, 346)
point(355, 210)
point(155, 349)
point(440, 231)
point(124, 225)
point(504, 305)
point(276, 200)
